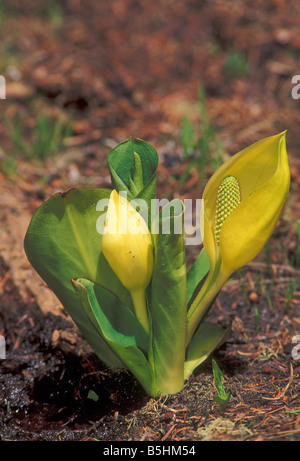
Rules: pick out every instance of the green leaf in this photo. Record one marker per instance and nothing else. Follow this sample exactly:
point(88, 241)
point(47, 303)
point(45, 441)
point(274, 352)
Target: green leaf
point(120, 330)
point(62, 243)
point(222, 401)
point(207, 338)
point(168, 299)
point(138, 175)
point(197, 273)
point(93, 396)
point(222, 397)
point(121, 164)
point(121, 160)
point(113, 315)
point(149, 158)
point(133, 164)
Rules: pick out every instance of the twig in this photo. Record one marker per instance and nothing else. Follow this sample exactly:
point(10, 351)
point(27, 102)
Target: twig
point(168, 433)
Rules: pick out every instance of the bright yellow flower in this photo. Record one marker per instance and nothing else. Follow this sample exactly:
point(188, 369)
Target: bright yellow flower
point(127, 246)
point(242, 203)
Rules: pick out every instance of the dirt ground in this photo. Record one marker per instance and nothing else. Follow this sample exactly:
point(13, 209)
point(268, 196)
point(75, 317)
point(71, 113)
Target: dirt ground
point(127, 68)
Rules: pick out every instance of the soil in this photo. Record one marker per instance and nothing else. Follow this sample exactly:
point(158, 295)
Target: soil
point(127, 68)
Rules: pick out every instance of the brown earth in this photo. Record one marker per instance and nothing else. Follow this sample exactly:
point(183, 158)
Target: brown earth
point(128, 68)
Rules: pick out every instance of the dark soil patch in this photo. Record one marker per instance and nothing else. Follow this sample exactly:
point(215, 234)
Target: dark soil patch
point(46, 390)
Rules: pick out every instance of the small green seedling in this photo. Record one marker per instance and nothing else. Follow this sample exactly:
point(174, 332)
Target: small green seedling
point(222, 397)
point(289, 293)
point(93, 396)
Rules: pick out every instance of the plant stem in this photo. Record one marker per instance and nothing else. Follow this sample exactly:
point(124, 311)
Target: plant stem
point(139, 302)
point(169, 383)
point(198, 309)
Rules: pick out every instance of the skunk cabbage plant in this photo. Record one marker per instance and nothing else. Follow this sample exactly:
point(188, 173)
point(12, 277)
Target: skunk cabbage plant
point(117, 263)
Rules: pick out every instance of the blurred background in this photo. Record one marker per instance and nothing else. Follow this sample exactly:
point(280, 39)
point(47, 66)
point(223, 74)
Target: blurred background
point(85, 75)
point(200, 80)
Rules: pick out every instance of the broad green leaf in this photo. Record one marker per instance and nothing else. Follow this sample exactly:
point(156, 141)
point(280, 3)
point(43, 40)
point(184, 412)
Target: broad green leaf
point(149, 158)
point(62, 243)
point(133, 164)
point(197, 272)
point(113, 316)
point(121, 164)
point(207, 338)
point(120, 334)
point(168, 300)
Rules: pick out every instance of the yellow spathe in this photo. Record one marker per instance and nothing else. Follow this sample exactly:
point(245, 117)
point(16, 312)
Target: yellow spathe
point(262, 173)
point(127, 246)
